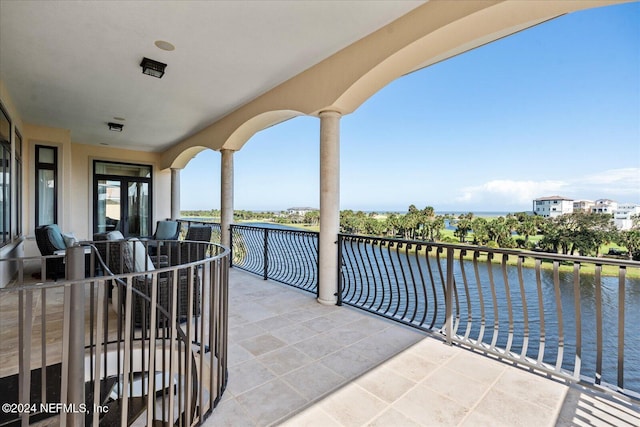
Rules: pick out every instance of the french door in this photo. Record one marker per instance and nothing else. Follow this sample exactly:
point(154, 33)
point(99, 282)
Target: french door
point(122, 198)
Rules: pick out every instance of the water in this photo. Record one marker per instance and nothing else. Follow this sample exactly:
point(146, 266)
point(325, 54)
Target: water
point(395, 282)
point(411, 288)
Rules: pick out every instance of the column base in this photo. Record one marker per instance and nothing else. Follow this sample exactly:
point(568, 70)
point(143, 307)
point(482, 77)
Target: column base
point(332, 301)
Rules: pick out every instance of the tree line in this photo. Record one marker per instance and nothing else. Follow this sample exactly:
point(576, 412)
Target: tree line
point(577, 233)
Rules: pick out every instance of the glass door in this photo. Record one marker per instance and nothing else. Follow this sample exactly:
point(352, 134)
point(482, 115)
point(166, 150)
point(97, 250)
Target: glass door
point(109, 208)
point(122, 198)
point(137, 212)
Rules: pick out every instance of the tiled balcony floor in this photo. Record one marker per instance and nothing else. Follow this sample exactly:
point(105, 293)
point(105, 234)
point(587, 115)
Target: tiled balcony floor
point(295, 362)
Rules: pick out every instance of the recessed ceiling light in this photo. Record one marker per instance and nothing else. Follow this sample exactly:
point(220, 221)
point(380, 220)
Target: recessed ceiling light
point(103, 143)
point(161, 44)
point(120, 119)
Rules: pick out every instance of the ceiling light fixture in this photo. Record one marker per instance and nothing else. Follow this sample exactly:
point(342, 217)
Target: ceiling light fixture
point(116, 127)
point(164, 45)
point(152, 68)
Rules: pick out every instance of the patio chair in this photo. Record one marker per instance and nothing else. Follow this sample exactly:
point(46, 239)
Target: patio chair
point(50, 239)
point(130, 256)
point(165, 230)
point(189, 251)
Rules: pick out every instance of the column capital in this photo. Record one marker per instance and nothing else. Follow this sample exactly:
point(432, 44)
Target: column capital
point(329, 113)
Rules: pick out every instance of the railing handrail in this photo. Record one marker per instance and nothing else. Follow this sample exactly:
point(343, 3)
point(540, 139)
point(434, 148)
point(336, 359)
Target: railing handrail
point(502, 251)
point(276, 229)
point(112, 276)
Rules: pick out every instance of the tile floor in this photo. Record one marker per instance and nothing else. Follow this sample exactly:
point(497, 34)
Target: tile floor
point(295, 362)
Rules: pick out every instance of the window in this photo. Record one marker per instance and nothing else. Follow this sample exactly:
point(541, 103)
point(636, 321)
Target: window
point(47, 184)
point(5, 177)
point(18, 181)
point(122, 198)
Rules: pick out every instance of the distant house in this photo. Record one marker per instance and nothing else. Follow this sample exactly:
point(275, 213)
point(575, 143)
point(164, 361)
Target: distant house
point(622, 216)
point(605, 206)
point(583, 205)
point(552, 206)
point(300, 211)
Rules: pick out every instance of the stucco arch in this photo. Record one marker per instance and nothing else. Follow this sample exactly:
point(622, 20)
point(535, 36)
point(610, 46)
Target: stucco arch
point(433, 32)
point(262, 121)
point(181, 161)
point(468, 32)
point(234, 140)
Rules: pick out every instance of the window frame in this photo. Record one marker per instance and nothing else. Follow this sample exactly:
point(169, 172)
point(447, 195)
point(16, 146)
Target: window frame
point(18, 181)
point(123, 179)
point(46, 166)
point(5, 168)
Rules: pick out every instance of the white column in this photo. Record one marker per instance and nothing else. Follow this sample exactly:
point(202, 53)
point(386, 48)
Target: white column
point(226, 197)
point(329, 206)
point(175, 193)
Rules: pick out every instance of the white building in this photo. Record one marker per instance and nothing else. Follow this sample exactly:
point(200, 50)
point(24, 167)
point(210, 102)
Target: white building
point(300, 210)
point(605, 206)
point(583, 205)
point(622, 216)
point(552, 206)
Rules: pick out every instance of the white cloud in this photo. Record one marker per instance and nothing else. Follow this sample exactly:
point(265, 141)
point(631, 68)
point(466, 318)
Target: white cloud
point(506, 193)
point(610, 183)
point(622, 185)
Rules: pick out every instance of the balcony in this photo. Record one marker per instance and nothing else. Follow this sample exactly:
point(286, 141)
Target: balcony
point(296, 362)
point(333, 366)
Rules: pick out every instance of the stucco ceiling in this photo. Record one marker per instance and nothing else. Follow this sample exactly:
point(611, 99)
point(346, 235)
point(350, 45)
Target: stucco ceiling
point(75, 64)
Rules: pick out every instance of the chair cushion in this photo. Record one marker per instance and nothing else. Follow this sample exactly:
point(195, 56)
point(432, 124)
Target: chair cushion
point(141, 260)
point(69, 239)
point(55, 237)
point(166, 230)
point(114, 235)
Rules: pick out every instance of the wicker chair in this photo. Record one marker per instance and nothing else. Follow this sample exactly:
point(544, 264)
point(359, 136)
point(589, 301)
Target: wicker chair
point(130, 256)
point(189, 251)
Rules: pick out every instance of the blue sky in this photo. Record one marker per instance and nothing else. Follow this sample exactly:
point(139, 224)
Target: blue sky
point(554, 110)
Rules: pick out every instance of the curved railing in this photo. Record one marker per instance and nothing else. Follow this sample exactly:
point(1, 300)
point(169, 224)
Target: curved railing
point(286, 256)
point(153, 342)
point(558, 314)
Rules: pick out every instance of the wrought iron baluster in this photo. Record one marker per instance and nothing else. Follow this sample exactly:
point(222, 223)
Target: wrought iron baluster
point(556, 286)
point(483, 319)
point(463, 272)
point(525, 310)
point(507, 291)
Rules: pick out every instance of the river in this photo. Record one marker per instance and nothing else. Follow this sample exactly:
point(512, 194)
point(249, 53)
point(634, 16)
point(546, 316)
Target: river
point(401, 285)
point(412, 288)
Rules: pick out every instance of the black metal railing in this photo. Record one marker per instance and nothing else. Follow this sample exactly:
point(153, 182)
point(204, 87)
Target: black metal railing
point(286, 256)
point(573, 317)
point(154, 345)
point(557, 314)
